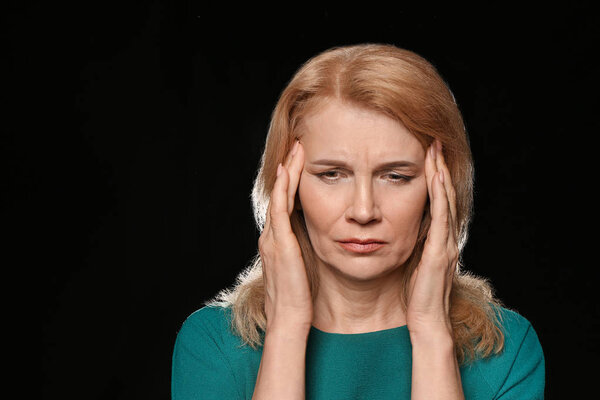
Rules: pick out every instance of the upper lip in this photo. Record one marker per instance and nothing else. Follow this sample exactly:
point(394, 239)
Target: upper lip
point(361, 241)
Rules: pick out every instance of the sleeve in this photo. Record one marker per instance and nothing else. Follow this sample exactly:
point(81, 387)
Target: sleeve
point(200, 370)
point(526, 377)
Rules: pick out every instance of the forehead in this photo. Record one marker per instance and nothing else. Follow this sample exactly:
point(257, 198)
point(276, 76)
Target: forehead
point(345, 130)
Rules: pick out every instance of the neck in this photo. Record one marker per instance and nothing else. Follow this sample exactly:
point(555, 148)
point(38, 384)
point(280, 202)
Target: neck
point(349, 305)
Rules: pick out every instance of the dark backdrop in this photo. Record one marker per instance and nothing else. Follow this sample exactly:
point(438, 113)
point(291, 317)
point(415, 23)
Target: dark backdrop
point(146, 127)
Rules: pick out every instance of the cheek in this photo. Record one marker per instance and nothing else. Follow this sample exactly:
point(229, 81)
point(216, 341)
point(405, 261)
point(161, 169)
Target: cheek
point(406, 210)
point(317, 206)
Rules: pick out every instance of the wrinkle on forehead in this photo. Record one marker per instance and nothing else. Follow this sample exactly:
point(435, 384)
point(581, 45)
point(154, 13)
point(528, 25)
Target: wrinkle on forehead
point(355, 134)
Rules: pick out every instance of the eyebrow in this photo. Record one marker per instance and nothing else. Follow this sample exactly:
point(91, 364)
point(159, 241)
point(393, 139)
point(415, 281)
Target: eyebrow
point(340, 163)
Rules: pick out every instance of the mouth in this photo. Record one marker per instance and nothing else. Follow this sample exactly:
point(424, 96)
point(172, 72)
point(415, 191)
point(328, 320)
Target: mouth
point(362, 246)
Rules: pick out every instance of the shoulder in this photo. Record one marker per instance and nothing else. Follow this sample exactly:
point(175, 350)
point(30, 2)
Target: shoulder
point(514, 326)
point(211, 323)
point(205, 364)
point(518, 368)
point(520, 338)
point(212, 316)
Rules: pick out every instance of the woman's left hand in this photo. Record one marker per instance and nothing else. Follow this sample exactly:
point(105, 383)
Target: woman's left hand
point(428, 312)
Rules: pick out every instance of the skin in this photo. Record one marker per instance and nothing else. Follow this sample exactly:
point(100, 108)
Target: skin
point(359, 293)
point(363, 199)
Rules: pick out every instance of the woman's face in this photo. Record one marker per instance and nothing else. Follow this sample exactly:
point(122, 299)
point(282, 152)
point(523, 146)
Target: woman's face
point(363, 178)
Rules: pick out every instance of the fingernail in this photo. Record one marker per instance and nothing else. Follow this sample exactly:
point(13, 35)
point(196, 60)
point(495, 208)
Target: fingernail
point(432, 151)
point(278, 169)
point(295, 148)
point(441, 176)
point(439, 145)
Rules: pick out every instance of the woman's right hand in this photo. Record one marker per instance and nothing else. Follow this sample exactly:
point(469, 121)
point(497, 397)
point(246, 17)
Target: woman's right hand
point(288, 301)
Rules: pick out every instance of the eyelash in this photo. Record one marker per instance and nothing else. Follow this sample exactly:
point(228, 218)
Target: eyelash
point(400, 178)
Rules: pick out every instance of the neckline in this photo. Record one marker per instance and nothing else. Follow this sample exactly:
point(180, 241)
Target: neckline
point(362, 334)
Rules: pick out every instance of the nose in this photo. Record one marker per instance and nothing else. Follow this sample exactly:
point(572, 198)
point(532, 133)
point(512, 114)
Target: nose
point(363, 207)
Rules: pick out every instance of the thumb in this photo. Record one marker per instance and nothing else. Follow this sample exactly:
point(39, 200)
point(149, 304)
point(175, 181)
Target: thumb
point(280, 221)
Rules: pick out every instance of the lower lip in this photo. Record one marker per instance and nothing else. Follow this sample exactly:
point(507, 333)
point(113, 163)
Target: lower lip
point(361, 248)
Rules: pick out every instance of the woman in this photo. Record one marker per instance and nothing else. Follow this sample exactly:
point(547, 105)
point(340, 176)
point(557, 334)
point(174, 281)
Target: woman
point(363, 198)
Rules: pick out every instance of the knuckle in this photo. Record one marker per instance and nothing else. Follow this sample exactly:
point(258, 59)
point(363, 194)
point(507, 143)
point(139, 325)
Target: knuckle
point(264, 247)
point(262, 253)
point(275, 215)
point(262, 240)
point(445, 218)
point(436, 254)
point(453, 254)
point(451, 190)
point(452, 259)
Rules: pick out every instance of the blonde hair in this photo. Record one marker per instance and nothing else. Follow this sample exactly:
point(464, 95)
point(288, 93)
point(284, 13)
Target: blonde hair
point(406, 87)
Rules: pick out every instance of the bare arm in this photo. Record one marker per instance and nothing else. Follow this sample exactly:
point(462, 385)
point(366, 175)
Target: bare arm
point(435, 371)
point(288, 301)
point(281, 374)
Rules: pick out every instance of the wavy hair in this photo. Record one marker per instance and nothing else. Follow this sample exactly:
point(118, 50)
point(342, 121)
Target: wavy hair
point(407, 88)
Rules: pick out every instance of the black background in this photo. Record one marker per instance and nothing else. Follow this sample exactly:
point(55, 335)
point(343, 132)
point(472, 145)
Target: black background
point(144, 127)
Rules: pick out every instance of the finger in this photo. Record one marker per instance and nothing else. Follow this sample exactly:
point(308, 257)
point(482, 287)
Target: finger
point(442, 235)
point(295, 171)
point(286, 163)
point(279, 217)
point(430, 171)
point(268, 214)
point(267, 218)
point(451, 193)
point(440, 213)
point(290, 155)
point(288, 160)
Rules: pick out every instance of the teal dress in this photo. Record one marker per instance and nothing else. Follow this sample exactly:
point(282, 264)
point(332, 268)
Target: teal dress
point(210, 362)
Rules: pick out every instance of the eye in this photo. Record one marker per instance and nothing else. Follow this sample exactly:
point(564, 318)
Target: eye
point(330, 176)
point(397, 178)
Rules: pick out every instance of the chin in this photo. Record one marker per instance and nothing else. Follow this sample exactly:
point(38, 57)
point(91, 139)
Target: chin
point(363, 269)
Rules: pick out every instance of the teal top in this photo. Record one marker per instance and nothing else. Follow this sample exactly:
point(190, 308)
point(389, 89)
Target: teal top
point(211, 362)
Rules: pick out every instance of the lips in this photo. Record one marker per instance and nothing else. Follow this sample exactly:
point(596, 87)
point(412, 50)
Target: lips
point(362, 245)
point(362, 241)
